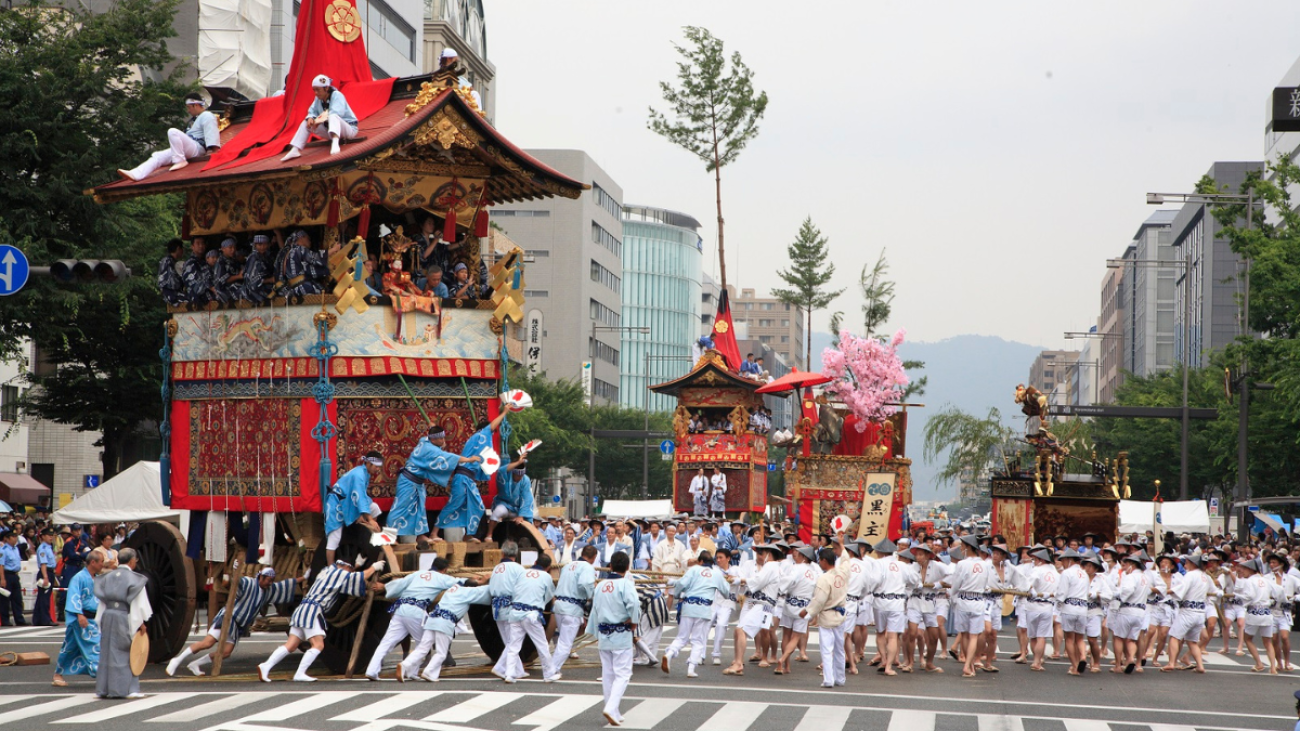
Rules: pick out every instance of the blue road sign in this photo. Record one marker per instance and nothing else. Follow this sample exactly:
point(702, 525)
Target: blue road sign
point(13, 270)
point(667, 446)
point(1253, 508)
point(771, 467)
point(92, 481)
point(555, 498)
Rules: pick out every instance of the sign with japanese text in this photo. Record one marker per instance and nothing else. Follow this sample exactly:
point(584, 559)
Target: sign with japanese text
point(1286, 109)
point(877, 503)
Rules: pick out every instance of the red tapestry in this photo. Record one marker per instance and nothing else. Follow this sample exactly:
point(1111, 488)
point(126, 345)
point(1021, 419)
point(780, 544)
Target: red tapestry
point(245, 454)
point(392, 426)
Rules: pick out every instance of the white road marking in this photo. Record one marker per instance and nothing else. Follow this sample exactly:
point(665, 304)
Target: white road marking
point(40, 709)
point(311, 703)
point(391, 704)
point(737, 715)
point(912, 721)
point(476, 706)
point(648, 713)
point(824, 718)
point(118, 708)
point(211, 708)
point(558, 711)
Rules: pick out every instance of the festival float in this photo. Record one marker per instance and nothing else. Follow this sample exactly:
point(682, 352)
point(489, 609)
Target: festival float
point(851, 468)
point(264, 407)
point(1059, 493)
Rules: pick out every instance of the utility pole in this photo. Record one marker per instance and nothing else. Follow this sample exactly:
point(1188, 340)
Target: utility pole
point(1243, 395)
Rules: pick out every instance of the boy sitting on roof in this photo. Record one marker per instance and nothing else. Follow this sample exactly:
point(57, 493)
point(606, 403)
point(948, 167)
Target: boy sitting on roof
point(202, 136)
point(329, 116)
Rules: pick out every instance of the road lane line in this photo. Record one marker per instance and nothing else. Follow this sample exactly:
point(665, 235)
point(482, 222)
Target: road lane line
point(118, 709)
point(736, 715)
point(912, 721)
point(825, 718)
point(311, 703)
point(558, 711)
point(476, 706)
point(1000, 723)
point(41, 709)
point(203, 710)
point(646, 714)
point(392, 704)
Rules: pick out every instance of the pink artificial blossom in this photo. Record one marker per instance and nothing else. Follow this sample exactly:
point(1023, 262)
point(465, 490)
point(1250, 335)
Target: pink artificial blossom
point(868, 376)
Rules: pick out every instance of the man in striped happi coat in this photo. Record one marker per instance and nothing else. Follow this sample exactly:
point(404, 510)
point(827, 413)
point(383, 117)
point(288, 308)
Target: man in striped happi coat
point(251, 597)
point(308, 620)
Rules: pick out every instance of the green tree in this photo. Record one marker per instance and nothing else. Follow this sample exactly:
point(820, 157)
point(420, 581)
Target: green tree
point(969, 446)
point(806, 279)
point(715, 110)
point(75, 110)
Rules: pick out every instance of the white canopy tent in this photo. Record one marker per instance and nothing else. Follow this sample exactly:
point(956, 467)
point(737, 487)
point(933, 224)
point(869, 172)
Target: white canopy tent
point(638, 509)
point(1179, 516)
point(133, 495)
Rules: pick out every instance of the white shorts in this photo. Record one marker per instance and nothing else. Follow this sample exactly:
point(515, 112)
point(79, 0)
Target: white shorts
point(1038, 623)
point(1126, 626)
point(1234, 612)
point(1188, 626)
point(968, 622)
point(1260, 630)
point(1076, 623)
point(500, 511)
point(231, 639)
point(753, 619)
point(993, 619)
point(1162, 616)
point(333, 538)
point(921, 619)
point(941, 608)
point(1094, 625)
point(794, 622)
point(866, 613)
point(1282, 622)
point(890, 621)
point(306, 633)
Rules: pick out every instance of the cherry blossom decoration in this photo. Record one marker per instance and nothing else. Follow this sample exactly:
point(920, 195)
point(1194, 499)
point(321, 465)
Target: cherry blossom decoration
point(868, 376)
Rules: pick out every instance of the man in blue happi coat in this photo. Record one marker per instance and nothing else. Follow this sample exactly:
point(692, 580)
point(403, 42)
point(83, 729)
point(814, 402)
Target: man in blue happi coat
point(348, 501)
point(80, 653)
point(464, 510)
point(429, 462)
point(514, 495)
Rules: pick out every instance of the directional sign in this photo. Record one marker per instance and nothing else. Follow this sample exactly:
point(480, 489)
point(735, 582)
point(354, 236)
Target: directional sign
point(91, 481)
point(1254, 508)
point(771, 467)
point(555, 499)
point(667, 446)
point(13, 270)
point(1214, 507)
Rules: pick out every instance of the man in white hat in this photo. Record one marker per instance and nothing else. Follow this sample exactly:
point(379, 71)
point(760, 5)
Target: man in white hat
point(448, 58)
point(202, 136)
point(329, 116)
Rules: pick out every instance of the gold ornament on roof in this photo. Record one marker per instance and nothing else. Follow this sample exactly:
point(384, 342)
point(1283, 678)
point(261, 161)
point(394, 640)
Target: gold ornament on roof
point(721, 326)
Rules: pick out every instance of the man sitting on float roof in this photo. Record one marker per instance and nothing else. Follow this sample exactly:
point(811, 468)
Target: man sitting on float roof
point(329, 116)
point(202, 136)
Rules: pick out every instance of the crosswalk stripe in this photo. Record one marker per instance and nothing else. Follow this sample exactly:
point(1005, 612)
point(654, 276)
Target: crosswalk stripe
point(476, 706)
point(1084, 724)
point(1169, 727)
point(737, 715)
point(825, 718)
point(67, 701)
point(558, 711)
point(911, 721)
point(203, 710)
point(116, 710)
point(648, 713)
point(392, 704)
point(13, 698)
point(1000, 723)
point(299, 707)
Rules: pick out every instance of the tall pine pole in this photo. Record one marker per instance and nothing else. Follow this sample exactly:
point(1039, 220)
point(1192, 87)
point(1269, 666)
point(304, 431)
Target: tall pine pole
point(714, 111)
point(806, 279)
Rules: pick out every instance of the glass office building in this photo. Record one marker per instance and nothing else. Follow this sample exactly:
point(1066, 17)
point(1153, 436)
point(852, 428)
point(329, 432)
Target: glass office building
point(662, 269)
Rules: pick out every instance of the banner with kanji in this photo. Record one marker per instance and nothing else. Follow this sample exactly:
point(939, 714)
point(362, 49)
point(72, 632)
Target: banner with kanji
point(877, 505)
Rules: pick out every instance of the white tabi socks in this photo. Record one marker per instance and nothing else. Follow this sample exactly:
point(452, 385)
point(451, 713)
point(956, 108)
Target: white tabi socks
point(176, 661)
point(264, 670)
point(308, 658)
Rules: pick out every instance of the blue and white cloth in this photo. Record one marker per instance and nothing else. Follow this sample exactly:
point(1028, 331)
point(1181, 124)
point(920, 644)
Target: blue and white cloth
point(427, 463)
point(251, 599)
point(324, 592)
point(80, 652)
point(348, 499)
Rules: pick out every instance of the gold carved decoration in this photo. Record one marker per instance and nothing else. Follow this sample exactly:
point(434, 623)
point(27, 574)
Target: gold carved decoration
point(445, 130)
point(329, 318)
point(428, 91)
point(342, 21)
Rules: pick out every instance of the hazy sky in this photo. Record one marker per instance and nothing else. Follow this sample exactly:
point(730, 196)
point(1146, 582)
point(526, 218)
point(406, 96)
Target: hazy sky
point(999, 151)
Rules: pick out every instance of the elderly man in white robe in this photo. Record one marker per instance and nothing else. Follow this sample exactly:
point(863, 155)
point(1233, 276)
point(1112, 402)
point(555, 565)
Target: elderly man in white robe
point(123, 610)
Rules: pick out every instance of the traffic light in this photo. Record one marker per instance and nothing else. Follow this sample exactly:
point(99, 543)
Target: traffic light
point(107, 271)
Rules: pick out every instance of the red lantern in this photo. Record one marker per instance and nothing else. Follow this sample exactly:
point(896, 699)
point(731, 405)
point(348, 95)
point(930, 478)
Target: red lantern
point(449, 227)
point(481, 223)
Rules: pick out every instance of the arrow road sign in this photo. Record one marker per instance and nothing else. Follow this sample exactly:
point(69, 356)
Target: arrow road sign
point(13, 270)
point(667, 446)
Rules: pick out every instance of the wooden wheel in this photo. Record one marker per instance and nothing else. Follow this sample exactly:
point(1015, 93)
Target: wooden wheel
point(524, 534)
point(342, 623)
point(171, 587)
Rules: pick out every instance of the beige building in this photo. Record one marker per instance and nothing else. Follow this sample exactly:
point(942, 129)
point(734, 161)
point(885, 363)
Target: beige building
point(771, 322)
point(1051, 373)
point(1110, 335)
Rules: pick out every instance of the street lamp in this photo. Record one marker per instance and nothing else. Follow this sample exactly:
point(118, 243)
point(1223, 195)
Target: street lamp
point(1243, 388)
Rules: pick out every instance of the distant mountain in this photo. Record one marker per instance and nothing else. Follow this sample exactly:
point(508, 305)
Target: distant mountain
point(972, 372)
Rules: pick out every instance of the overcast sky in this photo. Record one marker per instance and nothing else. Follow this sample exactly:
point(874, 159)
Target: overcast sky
point(999, 151)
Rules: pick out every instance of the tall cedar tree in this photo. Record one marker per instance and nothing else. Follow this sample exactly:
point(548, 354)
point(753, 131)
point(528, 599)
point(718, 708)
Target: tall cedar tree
point(76, 109)
point(715, 111)
point(809, 273)
point(877, 305)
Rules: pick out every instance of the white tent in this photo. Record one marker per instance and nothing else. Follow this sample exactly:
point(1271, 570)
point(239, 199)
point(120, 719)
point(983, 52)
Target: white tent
point(135, 494)
point(637, 508)
point(1179, 516)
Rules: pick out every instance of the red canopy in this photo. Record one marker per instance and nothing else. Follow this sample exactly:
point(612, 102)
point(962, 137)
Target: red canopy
point(795, 380)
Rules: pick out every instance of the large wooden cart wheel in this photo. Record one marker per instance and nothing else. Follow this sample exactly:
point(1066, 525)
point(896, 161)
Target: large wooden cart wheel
point(171, 586)
point(524, 534)
point(343, 622)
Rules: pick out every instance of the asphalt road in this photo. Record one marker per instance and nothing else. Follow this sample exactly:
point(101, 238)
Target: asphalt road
point(1229, 696)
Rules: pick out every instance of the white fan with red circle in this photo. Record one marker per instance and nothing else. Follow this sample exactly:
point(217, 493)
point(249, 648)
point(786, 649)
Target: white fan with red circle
point(840, 523)
point(530, 446)
point(491, 461)
point(516, 400)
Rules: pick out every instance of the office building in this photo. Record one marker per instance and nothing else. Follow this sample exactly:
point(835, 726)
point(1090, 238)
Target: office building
point(1050, 373)
point(1084, 374)
point(710, 293)
point(662, 263)
point(782, 405)
point(1217, 280)
point(1152, 305)
point(773, 322)
point(459, 24)
point(1110, 334)
point(574, 279)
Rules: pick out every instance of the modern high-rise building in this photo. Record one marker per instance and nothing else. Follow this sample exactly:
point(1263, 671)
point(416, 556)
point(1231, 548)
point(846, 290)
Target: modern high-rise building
point(710, 292)
point(773, 322)
point(1217, 280)
point(574, 277)
point(459, 25)
point(1050, 373)
point(1110, 334)
point(1152, 304)
point(662, 268)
